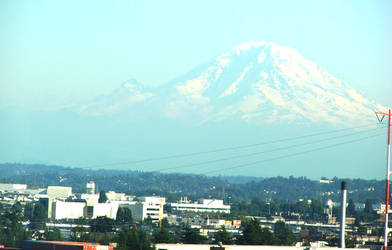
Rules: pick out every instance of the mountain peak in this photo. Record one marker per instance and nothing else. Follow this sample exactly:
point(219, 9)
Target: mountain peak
point(251, 44)
point(254, 81)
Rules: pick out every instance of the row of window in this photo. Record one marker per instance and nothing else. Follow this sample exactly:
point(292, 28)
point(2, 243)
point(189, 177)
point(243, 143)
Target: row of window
point(200, 208)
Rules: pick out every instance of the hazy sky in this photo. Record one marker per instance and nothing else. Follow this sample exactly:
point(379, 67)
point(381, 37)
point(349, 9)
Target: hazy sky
point(60, 52)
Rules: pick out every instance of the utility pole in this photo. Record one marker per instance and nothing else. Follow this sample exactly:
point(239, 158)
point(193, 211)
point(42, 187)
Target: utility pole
point(387, 211)
point(343, 217)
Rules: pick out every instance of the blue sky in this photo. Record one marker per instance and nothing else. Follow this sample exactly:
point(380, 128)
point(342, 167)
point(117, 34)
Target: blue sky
point(55, 53)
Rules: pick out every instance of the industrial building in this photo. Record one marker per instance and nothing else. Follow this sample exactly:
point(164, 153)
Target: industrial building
point(4, 187)
point(202, 205)
point(67, 210)
point(101, 209)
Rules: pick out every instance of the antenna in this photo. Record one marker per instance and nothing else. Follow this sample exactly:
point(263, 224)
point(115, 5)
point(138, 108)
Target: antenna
point(380, 114)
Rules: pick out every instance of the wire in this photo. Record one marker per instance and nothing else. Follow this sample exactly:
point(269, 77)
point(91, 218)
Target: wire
point(226, 149)
point(260, 152)
point(291, 155)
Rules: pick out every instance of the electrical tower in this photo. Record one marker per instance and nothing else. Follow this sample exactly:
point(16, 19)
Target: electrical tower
point(380, 117)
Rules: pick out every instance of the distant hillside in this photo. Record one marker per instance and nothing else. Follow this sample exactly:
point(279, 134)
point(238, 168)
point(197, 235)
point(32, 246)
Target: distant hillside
point(173, 186)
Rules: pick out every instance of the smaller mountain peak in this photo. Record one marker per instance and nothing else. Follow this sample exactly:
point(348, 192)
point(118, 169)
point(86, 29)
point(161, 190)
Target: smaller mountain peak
point(274, 49)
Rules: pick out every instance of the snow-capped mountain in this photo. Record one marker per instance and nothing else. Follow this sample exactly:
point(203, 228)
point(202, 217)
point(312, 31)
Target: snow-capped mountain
point(255, 82)
point(255, 92)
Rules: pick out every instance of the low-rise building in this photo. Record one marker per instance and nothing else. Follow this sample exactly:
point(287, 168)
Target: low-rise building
point(67, 210)
point(101, 209)
point(113, 196)
point(148, 207)
point(202, 205)
point(12, 187)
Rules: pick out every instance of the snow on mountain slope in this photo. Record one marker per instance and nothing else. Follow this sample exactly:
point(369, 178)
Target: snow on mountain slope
point(130, 93)
point(255, 82)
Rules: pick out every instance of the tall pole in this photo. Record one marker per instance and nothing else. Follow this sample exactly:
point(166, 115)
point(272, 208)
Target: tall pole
point(343, 217)
point(386, 230)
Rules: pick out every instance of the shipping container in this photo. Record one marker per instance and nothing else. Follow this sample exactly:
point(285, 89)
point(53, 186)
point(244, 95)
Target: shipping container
point(102, 247)
point(68, 247)
point(62, 245)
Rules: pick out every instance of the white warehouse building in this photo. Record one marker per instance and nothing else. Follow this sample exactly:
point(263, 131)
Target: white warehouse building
point(101, 209)
point(202, 205)
point(67, 210)
point(12, 187)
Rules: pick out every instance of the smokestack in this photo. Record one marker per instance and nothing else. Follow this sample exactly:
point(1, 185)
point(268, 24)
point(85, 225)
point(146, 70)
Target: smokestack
point(343, 217)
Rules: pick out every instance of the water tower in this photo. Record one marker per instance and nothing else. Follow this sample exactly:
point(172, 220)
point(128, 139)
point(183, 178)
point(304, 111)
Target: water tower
point(90, 187)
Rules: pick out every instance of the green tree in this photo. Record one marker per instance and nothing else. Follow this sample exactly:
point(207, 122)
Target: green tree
point(17, 208)
point(316, 209)
point(28, 211)
point(147, 221)
point(165, 223)
point(102, 224)
point(40, 217)
point(192, 236)
point(134, 239)
point(80, 234)
point(368, 207)
point(253, 234)
point(54, 234)
point(124, 216)
point(351, 208)
point(12, 231)
point(102, 197)
point(164, 236)
point(283, 234)
point(223, 236)
point(81, 221)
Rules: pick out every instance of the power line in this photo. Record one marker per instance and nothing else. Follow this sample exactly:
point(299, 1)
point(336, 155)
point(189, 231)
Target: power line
point(260, 152)
point(291, 155)
point(226, 148)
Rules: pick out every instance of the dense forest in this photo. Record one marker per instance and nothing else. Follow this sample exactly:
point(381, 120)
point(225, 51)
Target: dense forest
point(172, 186)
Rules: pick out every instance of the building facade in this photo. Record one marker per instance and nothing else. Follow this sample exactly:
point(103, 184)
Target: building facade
point(202, 205)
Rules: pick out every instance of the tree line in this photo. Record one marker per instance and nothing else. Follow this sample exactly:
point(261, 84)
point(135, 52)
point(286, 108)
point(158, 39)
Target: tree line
point(173, 186)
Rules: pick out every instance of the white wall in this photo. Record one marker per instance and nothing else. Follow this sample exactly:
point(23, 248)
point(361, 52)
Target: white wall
point(67, 210)
point(59, 192)
point(143, 210)
point(105, 209)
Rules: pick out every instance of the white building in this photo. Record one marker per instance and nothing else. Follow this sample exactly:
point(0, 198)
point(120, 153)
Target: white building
point(59, 192)
point(202, 205)
point(113, 196)
point(101, 209)
point(91, 199)
point(148, 207)
point(12, 187)
point(67, 210)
